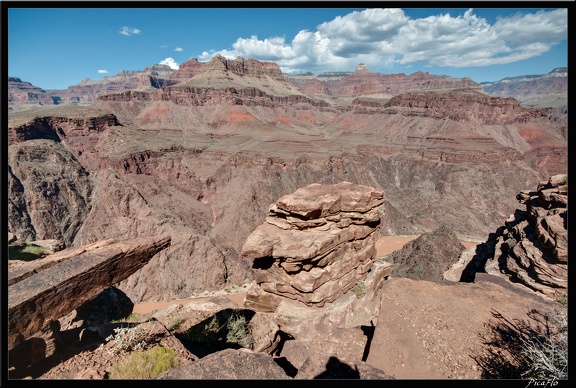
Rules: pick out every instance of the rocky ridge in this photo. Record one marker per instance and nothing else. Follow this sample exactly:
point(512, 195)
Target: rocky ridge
point(540, 90)
point(22, 92)
point(532, 248)
point(87, 91)
point(364, 82)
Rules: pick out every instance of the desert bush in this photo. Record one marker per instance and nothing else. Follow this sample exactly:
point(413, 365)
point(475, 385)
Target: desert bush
point(146, 364)
point(238, 332)
point(174, 323)
point(226, 329)
point(548, 354)
point(127, 339)
point(359, 289)
point(133, 317)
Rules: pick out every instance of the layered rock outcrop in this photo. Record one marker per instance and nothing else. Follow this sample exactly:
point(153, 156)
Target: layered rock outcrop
point(467, 105)
point(315, 245)
point(87, 91)
point(22, 92)
point(532, 248)
point(364, 82)
point(44, 290)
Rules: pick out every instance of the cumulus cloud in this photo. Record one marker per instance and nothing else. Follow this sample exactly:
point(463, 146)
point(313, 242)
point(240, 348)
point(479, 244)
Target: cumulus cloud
point(381, 38)
point(178, 49)
point(128, 31)
point(102, 71)
point(170, 62)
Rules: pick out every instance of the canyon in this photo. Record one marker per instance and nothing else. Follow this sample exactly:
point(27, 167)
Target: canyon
point(200, 154)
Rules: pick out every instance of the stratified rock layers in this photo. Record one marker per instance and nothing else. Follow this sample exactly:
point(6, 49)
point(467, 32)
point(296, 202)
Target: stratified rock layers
point(316, 244)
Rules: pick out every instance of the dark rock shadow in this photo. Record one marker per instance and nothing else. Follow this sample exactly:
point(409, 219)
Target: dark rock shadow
point(502, 356)
point(215, 333)
point(369, 333)
point(336, 369)
point(283, 363)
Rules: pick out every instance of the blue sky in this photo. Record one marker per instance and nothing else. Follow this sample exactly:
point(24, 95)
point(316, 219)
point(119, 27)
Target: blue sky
point(54, 48)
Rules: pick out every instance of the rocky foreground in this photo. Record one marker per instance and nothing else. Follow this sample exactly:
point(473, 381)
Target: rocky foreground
point(368, 325)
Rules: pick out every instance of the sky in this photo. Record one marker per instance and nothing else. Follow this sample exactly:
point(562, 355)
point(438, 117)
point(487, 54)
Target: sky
point(54, 48)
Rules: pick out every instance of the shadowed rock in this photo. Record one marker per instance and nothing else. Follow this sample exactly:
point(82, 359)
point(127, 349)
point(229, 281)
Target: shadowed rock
point(428, 256)
point(229, 364)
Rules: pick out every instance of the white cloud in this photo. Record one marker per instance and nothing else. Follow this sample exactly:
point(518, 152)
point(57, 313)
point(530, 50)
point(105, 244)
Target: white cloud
point(128, 31)
point(178, 49)
point(170, 62)
point(381, 37)
point(102, 71)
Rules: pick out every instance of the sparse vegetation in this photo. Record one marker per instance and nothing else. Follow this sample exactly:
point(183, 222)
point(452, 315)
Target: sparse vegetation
point(127, 339)
point(536, 349)
point(146, 364)
point(26, 252)
point(549, 353)
point(226, 329)
point(130, 318)
point(359, 289)
point(174, 323)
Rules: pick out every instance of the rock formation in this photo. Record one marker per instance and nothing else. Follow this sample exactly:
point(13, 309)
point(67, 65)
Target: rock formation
point(46, 289)
point(24, 93)
point(316, 244)
point(428, 256)
point(538, 90)
point(532, 248)
point(87, 91)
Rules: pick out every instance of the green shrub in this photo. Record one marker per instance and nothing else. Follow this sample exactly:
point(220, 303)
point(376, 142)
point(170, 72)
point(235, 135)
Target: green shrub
point(146, 364)
point(226, 329)
point(238, 332)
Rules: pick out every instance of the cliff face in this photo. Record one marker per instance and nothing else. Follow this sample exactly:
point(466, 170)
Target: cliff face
point(467, 106)
point(542, 90)
point(201, 160)
point(364, 82)
point(532, 247)
point(22, 92)
point(87, 91)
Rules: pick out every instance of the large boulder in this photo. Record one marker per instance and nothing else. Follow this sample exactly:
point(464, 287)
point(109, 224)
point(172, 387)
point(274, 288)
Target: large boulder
point(316, 244)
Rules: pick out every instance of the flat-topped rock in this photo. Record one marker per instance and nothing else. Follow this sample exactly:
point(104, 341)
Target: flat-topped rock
point(50, 288)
